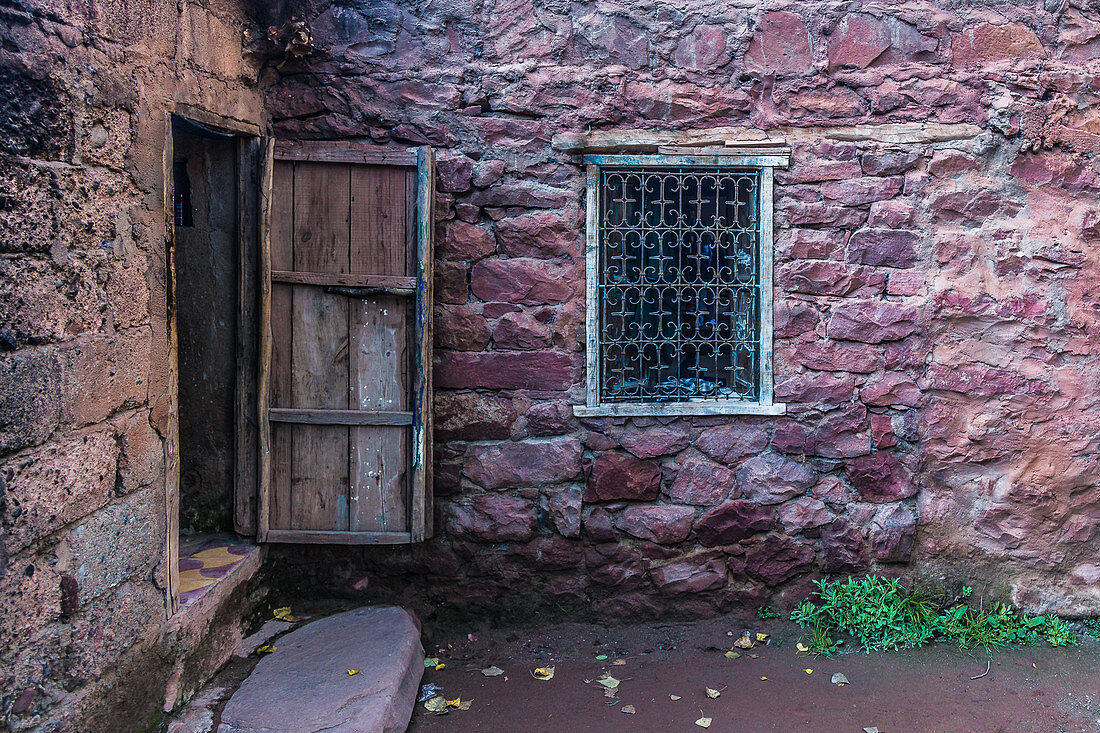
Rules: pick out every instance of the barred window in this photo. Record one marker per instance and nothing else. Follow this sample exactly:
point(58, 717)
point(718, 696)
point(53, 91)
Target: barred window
point(679, 285)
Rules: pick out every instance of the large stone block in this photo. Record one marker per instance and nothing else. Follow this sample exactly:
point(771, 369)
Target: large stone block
point(872, 322)
point(464, 241)
point(119, 367)
point(652, 442)
point(703, 49)
point(493, 518)
point(565, 510)
point(778, 558)
point(824, 277)
point(57, 485)
point(862, 40)
point(781, 45)
point(894, 389)
point(883, 247)
point(730, 444)
point(530, 463)
point(522, 280)
point(691, 575)
point(538, 370)
point(615, 475)
point(892, 533)
point(31, 382)
point(987, 43)
point(880, 477)
point(461, 328)
point(733, 522)
point(541, 234)
point(703, 484)
point(662, 523)
point(774, 478)
point(471, 416)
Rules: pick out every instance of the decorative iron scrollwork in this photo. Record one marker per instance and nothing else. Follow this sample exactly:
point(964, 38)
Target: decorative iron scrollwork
point(679, 284)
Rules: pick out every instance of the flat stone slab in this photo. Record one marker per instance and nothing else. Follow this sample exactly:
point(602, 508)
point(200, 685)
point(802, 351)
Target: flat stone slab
point(304, 685)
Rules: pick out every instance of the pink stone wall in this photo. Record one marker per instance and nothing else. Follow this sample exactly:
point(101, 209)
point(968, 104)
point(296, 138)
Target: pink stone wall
point(936, 314)
point(84, 89)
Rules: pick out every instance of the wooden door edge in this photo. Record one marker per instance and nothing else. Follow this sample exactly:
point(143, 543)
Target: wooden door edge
point(263, 512)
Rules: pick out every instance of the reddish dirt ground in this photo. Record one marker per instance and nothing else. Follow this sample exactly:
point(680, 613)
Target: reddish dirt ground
point(1027, 690)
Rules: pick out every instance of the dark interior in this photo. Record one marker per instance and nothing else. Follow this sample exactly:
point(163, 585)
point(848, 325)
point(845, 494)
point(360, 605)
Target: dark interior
point(205, 179)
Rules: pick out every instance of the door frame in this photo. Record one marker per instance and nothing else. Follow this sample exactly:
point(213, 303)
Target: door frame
point(247, 135)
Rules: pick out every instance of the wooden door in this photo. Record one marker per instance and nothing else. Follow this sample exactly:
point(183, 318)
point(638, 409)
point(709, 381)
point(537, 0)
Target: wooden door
point(345, 375)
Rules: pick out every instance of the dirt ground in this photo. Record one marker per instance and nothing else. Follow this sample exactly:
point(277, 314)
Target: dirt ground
point(1027, 690)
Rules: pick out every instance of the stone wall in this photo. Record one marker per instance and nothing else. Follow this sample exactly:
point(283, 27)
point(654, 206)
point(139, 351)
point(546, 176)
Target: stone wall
point(84, 86)
point(936, 318)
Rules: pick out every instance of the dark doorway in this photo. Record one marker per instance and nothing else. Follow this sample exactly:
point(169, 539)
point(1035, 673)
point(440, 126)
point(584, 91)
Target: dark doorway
point(205, 180)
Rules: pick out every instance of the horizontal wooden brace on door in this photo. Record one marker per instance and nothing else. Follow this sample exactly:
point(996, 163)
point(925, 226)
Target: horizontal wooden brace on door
point(323, 537)
point(366, 292)
point(310, 416)
point(382, 282)
point(319, 151)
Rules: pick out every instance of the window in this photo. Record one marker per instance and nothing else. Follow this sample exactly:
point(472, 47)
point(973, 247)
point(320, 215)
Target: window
point(679, 284)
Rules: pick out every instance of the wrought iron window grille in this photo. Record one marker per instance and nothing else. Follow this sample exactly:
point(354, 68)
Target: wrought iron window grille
point(679, 285)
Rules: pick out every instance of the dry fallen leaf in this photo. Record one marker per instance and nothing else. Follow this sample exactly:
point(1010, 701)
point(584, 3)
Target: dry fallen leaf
point(712, 693)
point(761, 637)
point(465, 704)
point(283, 614)
point(608, 692)
point(266, 649)
point(703, 722)
point(352, 672)
point(618, 663)
point(435, 704)
point(732, 654)
point(609, 682)
point(543, 673)
point(628, 709)
point(673, 697)
point(457, 702)
point(809, 671)
point(745, 642)
point(801, 647)
point(431, 661)
point(763, 679)
point(840, 680)
point(493, 671)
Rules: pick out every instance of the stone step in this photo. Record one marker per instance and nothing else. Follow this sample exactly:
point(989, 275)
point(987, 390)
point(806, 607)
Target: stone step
point(304, 685)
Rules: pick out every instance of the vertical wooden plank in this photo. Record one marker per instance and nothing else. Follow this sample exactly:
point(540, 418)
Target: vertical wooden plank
point(171, 442)
point(767, 392)
point(280, 334)
point(245, 488)
point(420, 524)
point(378, 351)
point(319, 372)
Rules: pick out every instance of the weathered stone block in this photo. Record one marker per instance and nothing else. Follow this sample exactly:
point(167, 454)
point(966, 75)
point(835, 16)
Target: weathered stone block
point(773, 478)
point(656, 441)
point(471, 416)
point(453, 172)
point(493, 518)
point(460, 327)
point(883, 247)
point(804, 513)
point(730, 444)
point(549, 418)
point(662, 523)
point(892, 533)
point(521, 331)
point(872, 322)
point(463, 241)
point(541, 370)
point(880, 477)
point(521, 280)
point(860, 191)
point(541, 234)
point(530, 463)
point(815, 387)
point(781, 45)
point(565, 510)
point(30, 380)
point(733, 522)
point(986, 42)
point(703, 49)
point(894, 389)
point(778, 558)
point(693, 575)
point(703, 484)
point(823, 277)
point(617, 475)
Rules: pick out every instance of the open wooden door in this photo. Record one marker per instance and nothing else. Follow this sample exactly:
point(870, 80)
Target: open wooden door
point(345, 352)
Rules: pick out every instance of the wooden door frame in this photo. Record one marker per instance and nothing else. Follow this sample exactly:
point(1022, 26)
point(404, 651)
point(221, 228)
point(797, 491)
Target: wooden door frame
point(420, 508)
point(247, 135)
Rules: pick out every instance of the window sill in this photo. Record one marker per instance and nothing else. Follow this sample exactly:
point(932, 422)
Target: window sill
point(679, 408)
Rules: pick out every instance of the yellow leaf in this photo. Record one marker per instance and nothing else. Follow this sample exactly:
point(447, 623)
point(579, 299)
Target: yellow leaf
point(673, 697)
point(761, 637)
point(609, 682)
point(465, 705)
point(801, 647)
point(266, 649)
point(454, 703)
point(440, 666)
point(809, 671)
point(745, 642)
point(283, 614)
point(435, 704)
point(352, 671)
point(628, 709)
point(704, 722)
point(712, 693)
point(543, 673)
point(732, 654)
point(763, 679)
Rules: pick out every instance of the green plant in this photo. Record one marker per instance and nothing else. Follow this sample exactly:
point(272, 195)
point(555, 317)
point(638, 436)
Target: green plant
point(766, 612)
point(1092, 627)
point(883, 614)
